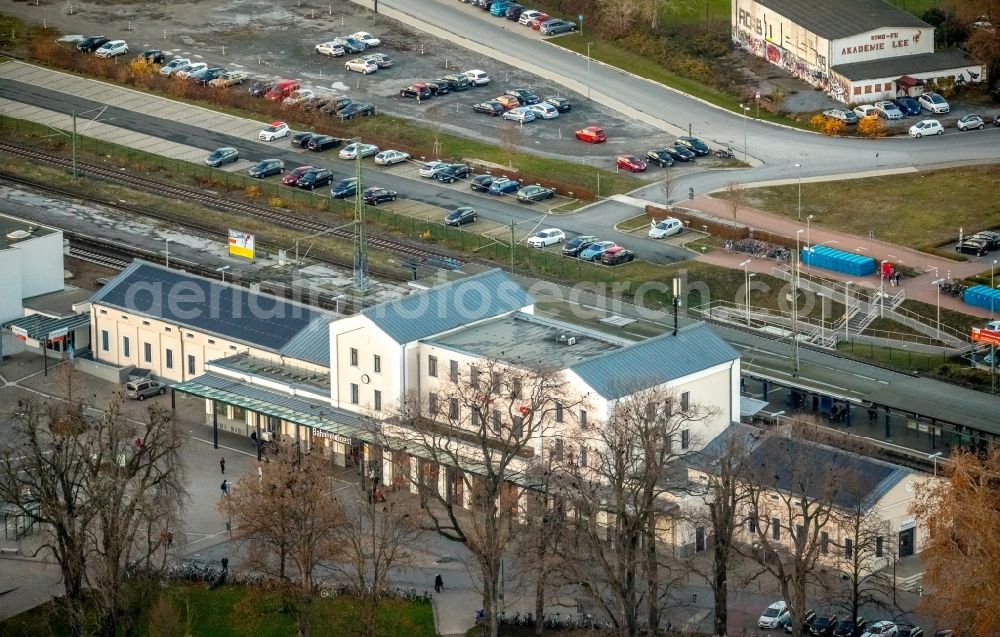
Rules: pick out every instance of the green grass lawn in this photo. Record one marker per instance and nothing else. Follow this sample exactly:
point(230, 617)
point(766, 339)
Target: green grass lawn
point(920, 210)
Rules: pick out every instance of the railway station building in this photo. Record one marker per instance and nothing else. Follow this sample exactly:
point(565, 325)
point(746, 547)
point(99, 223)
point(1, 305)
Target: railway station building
point(858, 51)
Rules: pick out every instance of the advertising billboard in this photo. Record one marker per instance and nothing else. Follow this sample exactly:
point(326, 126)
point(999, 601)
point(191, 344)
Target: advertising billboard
point(241, 244)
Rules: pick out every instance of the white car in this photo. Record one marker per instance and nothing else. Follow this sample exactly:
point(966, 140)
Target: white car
point(665, 228)
point(544, 110)
point(548, 237)
point(884, 628)
point(275, 131)
point(477, 77)
point(367, 38)
point(774, 614)
point(330, 48)
point(428, 169)
point(230, 78)
point(926, 127)
point(173, 65)
point(299, 96)
point(865, 111)
point(888, 110)
point(390, 157)
point(933, 103)
point(521, 114)
point(361, 65)
point(112, 49)
point(528, 16)
point(969, 122)
point(351, 150)
point(190, 69)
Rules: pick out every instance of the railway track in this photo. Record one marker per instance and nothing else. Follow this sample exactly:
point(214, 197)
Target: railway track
point(96, 256)
point(304, 225)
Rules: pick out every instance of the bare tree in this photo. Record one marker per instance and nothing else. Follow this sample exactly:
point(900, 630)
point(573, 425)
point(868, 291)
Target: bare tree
point(434, 116)
point(862, 556)
point(668, 184)
point(737, 195)
point(510, 139)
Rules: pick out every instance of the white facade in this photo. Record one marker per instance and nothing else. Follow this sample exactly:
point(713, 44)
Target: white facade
point(29, 267)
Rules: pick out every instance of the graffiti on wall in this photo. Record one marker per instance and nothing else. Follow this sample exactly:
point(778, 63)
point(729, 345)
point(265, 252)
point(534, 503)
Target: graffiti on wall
point(784, 58)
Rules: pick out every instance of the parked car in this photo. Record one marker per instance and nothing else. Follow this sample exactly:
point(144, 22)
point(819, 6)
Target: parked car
point(301, 140)
point(532, 194)
point(173, 65)
point(275, 131)
point(933, 103)
point(315, 178)
point(630, 163)
point(844, 115)
point(968, 122)
point(319, 143)
point(351, 150)
point(544, 110)
point(451, 173)
point(591, 135)
point(281, 89)
point(344, 188)
point(361, 65)
point(848, 627)
point(680, 153)
point(481, 183)
point(888, 110)
point(297, 97)
point(594, 250)
point(883, 628)
point(91, 44)
point(333, 49)
point(528, 16)
point(772, 615)
point(543, 238)
point(186, 71)
point(909, 630)
point(457, 82)
point(616, 255)
point(154, 56)
point(991, 238)
point(390, 157)
point(865, 111)
point(266, 168)
point(823, 625)
point(695, 145)
point(491, 107)
point(996, 120)
point(261, 88)
point(460, 216)
point(477, 77)
point(514, 12)
point(230, 78)
point(335, 104)
point(499, 8)
point(222, 156)
point(536, 22)
point(521, 114)
point(419, 91)
point(926, 127)
point(807, 619)
point(427, 170)
point(508, 102)
point(292, 178)
point(356, 109)
point(555, 27)
point(351, 45)
point(112, 49)
point(561, 103)
point(573, 247)
point(665, 228)
point(972, 245)
point(375, 196)
point(143, 389)
point(209, 75)
point(524, 96)
point(368, 39)
point(438, 89)
point(908, 105)
point(660, 157)
point(504, 186)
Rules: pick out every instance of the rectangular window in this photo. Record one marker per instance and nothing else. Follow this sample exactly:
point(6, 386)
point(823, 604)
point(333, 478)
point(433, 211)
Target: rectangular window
point(105, 341)
point(497, 382)
point(685, 438)
point(125, 347)
point(191, 364)
point(824, 542)
point(848, 548)
point(857, 90)
point(496, 419)
point(752, 524)
point(668, 408)
point(800, 532)
point(354, 357)
point(868, 89)
point(147, 352)
point(432, 403)
point(515, 388)
point(432, 366)
point(474, 377)
point(583, 456)
point(557, 450)
point(775, 528)
point(378, 400)
point(377, 365)
point(879, 546)
point(355, 399)
point(650, 411)
point(517, 427)
point(583, 419)
point(685, 402)
point(453, 408)
point(170, 358)
point(453, 371)
point(476, 422)
point(559, 411)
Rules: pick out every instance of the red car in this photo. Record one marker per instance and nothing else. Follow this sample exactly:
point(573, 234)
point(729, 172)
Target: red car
point(292, 178)
point(591, 135)
point(536, 22)
point(631, 163)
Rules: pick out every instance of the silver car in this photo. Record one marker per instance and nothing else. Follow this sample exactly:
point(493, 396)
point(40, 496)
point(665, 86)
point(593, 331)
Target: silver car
point(142, 389)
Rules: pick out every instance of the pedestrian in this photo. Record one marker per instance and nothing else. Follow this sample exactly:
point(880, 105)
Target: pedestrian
point(170, 539)
point(225, 563)
point(225, 488)
point(898, 277)
point(438, 583)
point(222, 465)
point(253, 438)
point(871, 414)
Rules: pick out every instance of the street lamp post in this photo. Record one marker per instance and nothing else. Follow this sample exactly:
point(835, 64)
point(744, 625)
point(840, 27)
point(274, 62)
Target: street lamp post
point(937, 284)
point(589, 44)
point(166, 254)
point(795, 305)
point(847, 310)
point(808, 233)
point(746, 116)
point(748, 274)
point(822, 315)
point(881, 289)
point(222, 270)
point(993, 268)
point(799, 166)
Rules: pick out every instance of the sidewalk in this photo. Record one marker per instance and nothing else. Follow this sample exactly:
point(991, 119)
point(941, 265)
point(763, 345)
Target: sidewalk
point(919, 288)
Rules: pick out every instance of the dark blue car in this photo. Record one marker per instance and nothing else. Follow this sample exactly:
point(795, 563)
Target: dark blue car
point(504, 186)
point(908, 105)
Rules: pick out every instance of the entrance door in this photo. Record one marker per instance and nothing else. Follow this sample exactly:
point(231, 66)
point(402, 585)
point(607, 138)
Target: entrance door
point(906, 541)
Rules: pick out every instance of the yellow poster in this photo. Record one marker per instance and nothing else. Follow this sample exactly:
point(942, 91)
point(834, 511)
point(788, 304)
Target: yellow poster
point(241, 244)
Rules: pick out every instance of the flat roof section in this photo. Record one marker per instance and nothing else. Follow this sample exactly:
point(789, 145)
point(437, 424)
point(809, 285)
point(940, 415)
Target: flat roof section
point(58, 304)
point(282, 373)
point(528, 339)
point(13, 230)
point(945, 60)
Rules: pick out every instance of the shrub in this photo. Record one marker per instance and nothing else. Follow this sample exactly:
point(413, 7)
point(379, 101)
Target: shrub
point(277, 202)
point(818, 122)
point(871, 127)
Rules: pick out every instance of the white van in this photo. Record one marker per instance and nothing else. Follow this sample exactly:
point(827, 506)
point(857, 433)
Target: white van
point(477, 77)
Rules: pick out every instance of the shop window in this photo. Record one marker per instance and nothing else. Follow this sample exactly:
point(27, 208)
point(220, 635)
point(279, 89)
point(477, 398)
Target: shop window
point(432, 366)
point(105, 341)
point(125, 347)
point(354, 357)
point(354, 394)
point(378, 400)
point(169, 358)
point(147, 352)
point(377, 365)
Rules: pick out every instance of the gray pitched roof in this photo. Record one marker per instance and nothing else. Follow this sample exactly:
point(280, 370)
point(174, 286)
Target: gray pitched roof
point(216, 308)
point(312, 343)
point(945, 60)
point(844, 18)
point(448, 306)
point(655, 361)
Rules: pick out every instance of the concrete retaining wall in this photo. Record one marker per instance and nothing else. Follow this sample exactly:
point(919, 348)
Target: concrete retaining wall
point(104, 371)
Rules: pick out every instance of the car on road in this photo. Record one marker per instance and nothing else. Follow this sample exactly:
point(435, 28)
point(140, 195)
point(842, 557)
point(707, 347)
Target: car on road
point(332, 49)
point(772, 615)
point(375, 196)
point(555, 27)
point(381, 60)
point(594, 250)
point(229, 78)
point(112, 49)
point(573, 247)
point(390, 157)
point(680, 153)
point(481, 183)
point(351, 150)
point(173, 65)
point(361, 65)
point(968, 122)
point(888, 110)
point(695, 145)
point(419, 91)
point(428, 168)
point(848, 627)
point(823, 625)
point(222, 156)
point(934, 103)
point(154, 56)
point(562, 104)
point(882, 628)
point(356, 109)
point(368, 39)
point(261, 88)
point(477, 77)
point(524, 96)
point(591, 135)
point(926, 127)
point(344, 188)
point(315, 178)
point(450, 173)
point(145, 388)
point(491, 107)
point(865, 111)
point(504, 186)
point(527, 16)
point(319, 143)
point(275, 131)
point(521, 114)
point(660, 157)
point(534, 193)
point(298, 97)
point(91, 44)
point(844, 115)
point(189, 70)
point(908, 105)
point(460, 216)
point(548, 237)
point(665, 227)
point(266, 168)
point(507, 102)
point(616, 255)
point(630, 163)
point(292, 178)
point(544, 110)
point(351, 45)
